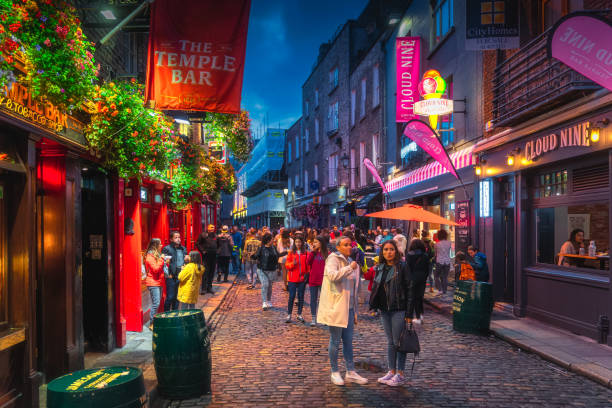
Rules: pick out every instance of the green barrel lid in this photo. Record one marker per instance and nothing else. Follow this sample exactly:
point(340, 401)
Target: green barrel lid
point(170, 319)
point(106, 387)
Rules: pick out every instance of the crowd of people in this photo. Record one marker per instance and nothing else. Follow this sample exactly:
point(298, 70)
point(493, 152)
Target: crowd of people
point(332, 263)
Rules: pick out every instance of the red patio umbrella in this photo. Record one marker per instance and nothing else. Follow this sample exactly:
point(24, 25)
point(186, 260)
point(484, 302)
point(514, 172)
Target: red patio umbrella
point(411, 212)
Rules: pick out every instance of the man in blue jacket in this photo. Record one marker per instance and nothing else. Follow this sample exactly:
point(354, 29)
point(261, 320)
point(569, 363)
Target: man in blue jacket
point(237, 238)
point(479, 263)
point(177, 252)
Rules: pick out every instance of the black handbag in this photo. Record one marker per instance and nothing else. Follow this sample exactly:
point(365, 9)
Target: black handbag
point(409, 343)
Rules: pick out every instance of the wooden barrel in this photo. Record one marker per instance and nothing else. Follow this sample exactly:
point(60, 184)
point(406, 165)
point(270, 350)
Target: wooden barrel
point(181, 353)
point(107, 387)
point(472, 307)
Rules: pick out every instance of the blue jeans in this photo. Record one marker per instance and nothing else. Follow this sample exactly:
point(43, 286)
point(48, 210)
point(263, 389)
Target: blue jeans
point(236, 266)
point(184, 306)
point(346, 335)
point(299, 288)
point(250, 268)
point(266, 278)
point(393, 323)
point(314, 300)
point(155, 292)
point(171, 302)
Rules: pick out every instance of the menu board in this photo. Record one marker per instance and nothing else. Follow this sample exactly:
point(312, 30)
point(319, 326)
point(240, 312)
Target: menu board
point(462, 230)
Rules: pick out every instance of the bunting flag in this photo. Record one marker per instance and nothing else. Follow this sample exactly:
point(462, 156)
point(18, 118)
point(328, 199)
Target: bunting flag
point(426, 138)
point(196, 54)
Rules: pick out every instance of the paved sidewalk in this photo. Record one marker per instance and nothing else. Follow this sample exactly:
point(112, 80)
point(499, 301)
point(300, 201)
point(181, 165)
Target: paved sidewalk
point(575, 353)
point(138, 349)
point(260, 361)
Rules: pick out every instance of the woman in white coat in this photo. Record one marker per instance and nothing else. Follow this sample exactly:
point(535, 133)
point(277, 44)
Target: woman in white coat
point(338, 309)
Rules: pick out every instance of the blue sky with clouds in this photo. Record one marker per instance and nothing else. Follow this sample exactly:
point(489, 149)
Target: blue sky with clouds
point(282, 46)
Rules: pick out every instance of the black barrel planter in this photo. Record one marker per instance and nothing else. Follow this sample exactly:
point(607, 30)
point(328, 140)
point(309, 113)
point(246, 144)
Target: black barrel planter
point(108, 387)
point(472, 307)
point(181, 353)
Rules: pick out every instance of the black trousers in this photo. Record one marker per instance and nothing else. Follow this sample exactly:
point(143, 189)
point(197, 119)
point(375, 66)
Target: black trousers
point(171, 302)
point(418, 293)
point(210, 263)
point(223, 266)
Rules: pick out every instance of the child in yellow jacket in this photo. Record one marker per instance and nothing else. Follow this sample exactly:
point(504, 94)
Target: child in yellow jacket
point(190, 279)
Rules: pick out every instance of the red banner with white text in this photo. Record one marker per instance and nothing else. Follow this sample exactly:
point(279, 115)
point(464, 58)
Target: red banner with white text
point(196, 54)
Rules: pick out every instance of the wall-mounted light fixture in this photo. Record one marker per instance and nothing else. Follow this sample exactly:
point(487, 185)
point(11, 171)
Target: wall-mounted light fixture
point(511, 156)
point(594, 129)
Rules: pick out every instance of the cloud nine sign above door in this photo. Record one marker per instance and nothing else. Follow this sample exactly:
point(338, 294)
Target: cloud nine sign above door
point(577, 135)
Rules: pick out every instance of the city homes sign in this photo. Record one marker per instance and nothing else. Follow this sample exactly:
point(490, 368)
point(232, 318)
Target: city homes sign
point(571, 137)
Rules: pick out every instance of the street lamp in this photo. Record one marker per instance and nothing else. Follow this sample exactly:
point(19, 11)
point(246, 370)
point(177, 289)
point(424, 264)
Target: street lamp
point(285, 191)
point(345, 160)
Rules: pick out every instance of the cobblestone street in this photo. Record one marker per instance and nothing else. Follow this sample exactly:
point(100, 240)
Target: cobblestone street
point(260, 361)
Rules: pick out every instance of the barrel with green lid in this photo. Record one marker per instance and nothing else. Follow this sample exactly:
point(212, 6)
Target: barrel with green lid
point(107, 387)
point(472, 307)
point(181, 353)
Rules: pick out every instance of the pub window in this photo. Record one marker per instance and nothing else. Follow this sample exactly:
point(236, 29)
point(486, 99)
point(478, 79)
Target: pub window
point(551, 184)
point(575, 236)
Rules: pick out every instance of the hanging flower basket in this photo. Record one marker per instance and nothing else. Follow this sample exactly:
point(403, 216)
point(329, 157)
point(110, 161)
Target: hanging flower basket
point(131, 139)
point(58, 57)
point(234, 130)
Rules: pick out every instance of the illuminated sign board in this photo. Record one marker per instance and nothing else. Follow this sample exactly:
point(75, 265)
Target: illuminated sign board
point(18, 103)
point(431, 88)
point(485, 198)
point(433, 107)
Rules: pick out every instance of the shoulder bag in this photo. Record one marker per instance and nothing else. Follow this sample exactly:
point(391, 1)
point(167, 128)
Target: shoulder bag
point(409, 343)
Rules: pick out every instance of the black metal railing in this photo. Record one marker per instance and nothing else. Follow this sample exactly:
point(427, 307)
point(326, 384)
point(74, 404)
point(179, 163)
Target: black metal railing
point(530, 83)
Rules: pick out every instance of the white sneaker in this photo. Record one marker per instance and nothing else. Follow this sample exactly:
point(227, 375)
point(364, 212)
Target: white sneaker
point(387, 377)
point(300, 318)
point(417, 321)
point(264, 306)
point(288, 319)
point(352, 376)
point(396, 381)
point(336, 378)
point(313, 322)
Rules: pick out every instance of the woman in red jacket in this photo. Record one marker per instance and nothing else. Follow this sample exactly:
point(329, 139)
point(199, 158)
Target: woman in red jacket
point(316, 264)
point(297, 269)
point(154, 266)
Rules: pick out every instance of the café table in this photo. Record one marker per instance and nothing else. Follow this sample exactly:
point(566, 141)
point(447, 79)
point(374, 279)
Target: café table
point(601, 258)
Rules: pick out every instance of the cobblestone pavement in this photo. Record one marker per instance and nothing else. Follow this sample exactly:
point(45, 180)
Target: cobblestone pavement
point(260, 361)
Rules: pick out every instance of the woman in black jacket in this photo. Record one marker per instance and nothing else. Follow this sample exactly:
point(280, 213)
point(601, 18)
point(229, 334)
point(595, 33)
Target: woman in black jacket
point(391, 294)
point(267, 261)
point(418, 263)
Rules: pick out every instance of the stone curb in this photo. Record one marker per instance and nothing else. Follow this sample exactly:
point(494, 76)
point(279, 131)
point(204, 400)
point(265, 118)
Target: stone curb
point(153, 394)
point(577, 368)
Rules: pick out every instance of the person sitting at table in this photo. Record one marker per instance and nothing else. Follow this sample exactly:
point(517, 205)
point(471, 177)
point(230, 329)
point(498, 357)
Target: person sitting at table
point(571, 247)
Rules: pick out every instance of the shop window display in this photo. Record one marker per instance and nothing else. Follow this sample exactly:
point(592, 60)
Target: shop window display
point(573, 236)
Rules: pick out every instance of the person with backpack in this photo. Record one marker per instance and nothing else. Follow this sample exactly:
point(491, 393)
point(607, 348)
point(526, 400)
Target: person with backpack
point(391, 295)
point(297, 276)
point(430, 250)
point(267, 261)
point(417, 260)
point(190, 279)
point(251, 246)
